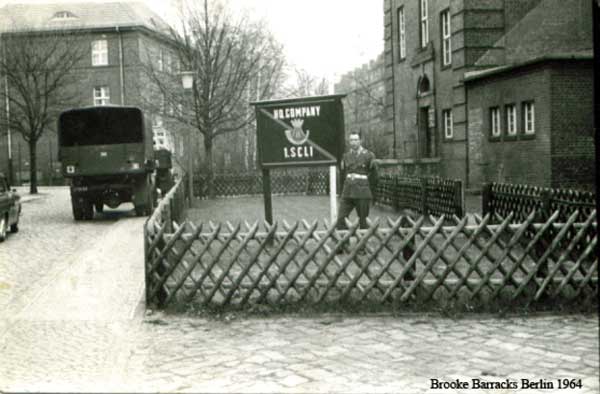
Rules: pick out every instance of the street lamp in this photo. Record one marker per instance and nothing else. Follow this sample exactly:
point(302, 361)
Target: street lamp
point(187, 81)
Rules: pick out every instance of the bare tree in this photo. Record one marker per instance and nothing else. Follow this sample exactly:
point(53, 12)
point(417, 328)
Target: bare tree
point(229, 58)
point(39, 78)
point(305, 84)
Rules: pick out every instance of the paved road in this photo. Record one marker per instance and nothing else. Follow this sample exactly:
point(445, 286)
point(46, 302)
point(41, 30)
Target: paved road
point(69, 323)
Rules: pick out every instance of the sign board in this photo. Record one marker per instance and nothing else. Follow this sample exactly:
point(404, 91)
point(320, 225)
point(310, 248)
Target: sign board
point(307, 131)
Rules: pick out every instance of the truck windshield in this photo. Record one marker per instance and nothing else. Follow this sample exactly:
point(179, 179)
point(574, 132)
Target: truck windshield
point(101, 126)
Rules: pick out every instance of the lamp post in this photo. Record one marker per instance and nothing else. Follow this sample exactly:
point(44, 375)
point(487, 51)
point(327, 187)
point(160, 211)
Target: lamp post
point(187, 81)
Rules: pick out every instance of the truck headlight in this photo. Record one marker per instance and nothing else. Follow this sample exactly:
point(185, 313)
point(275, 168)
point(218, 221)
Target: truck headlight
point(135, 166)
point(70, 169)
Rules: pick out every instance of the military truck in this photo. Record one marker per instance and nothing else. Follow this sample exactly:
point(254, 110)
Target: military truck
point(106, 154)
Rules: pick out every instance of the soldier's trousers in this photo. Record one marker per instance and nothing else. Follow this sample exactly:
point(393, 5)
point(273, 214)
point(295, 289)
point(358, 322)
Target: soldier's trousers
point(347, 205)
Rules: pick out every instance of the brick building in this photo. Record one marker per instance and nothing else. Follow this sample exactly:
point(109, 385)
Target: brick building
point(492, 90)
point(364, 105)
point(121, 36)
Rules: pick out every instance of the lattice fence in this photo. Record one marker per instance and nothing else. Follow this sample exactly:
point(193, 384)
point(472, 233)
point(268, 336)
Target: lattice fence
point(503, 199)
point(434, 196)
point(391, 263)
point(303, 181)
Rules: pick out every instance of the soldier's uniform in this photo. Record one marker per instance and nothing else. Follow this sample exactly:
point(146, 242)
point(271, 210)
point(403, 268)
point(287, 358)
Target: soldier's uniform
point(358, 174)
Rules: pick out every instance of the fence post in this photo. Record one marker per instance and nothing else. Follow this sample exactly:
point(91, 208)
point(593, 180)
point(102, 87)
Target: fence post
point(459, 199)
point(424, 202)
point(546, 199)
point(486, 199)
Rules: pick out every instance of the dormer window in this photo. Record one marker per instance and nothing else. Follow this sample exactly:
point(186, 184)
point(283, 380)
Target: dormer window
point(60, 15)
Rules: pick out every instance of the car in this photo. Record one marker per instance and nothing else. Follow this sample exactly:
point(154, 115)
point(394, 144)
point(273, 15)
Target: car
point(10, 208)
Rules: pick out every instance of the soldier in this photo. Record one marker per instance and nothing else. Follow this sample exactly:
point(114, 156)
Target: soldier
point(358, 174)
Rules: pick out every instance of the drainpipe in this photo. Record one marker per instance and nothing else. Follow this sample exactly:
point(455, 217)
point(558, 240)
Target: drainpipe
point(394, 144)
point(9, 136)
point(121, 68)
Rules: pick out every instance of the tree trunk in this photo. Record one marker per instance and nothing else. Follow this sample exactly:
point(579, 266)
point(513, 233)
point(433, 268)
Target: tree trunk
point(33, 167)
point(208, 145)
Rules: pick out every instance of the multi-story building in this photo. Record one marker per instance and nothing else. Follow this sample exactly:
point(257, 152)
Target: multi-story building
point(122, 38)
point(364, 105)
point(496, 90)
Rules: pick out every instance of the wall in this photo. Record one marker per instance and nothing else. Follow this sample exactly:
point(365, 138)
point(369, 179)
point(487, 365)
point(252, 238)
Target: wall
point(521, 160)
point(572, 152)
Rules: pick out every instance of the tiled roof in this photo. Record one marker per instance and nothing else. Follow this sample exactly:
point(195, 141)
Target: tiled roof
point(84, 15)
point(553, 26)
point(562, 56)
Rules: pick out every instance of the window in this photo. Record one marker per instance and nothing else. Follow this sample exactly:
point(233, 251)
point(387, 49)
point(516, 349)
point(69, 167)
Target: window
point(101, 95)
point(495, 121)
point(99, 53)
point(168, 62)
point(529, 117)
point(401, 34)
point(447, 117)
point(511, 120)
point(446, 39)
point(63, 15)
point(424, 24)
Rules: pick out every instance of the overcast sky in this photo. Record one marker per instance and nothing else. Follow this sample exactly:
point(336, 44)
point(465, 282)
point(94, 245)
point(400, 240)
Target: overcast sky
point(325, 37)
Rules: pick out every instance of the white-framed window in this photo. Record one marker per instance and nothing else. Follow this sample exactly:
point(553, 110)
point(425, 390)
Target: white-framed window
point(160, 60)
point(511, 120)
point(529, 117)
point(99, 53)
point(495, 121)
point(401, 34)
point(447, 119)
point(424, 24)
point(101, 95)
point(168, 62)
point(446, 38)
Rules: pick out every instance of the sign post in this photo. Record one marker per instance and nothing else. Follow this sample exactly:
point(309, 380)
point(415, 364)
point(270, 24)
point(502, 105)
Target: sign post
point(300, 132)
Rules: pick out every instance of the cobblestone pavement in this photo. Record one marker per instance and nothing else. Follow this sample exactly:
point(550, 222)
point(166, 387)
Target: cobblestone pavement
point(70, 324)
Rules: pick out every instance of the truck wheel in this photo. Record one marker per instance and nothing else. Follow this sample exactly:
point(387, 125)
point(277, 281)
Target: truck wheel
point(140, 210)
point(3, 225)
point(88, 210)
point(14, 228)
point(99, 207)
point(77, 210)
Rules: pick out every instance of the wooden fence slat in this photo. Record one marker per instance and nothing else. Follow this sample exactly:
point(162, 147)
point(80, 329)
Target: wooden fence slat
point(563, 256)
point(178, 257)
point(526, 251)
point(507, 276)
point(214, 261)
point(483, 252)
point(429, 265)
point(589, 250)
point(412, 261)
point(284, 265)
point(397, 255)
point(349, 259)
point(323, 266)
point(231, 262)
point(163, 253)
point(188, 271)
point(246, 269)
point(450, 267)
point(268, 264)
point(542, 259)
point(365, 267)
